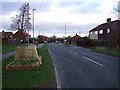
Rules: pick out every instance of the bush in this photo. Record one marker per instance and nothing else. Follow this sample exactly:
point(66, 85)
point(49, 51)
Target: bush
point(91, 43)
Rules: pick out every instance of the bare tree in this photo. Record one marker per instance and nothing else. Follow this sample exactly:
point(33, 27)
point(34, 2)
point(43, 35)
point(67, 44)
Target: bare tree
point(117, 10)
point(22, 20)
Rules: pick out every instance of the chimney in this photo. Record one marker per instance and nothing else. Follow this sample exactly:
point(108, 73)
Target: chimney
point(108, 20)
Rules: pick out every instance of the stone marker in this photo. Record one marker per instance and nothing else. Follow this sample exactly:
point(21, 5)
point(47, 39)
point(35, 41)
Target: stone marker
point(26, 53)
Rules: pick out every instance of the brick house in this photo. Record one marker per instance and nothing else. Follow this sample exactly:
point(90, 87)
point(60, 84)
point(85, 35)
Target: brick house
point(21, 36)
point(103, 31)
point(76, 38)
point(7, 38)
point(108, 31)
point(42, 38)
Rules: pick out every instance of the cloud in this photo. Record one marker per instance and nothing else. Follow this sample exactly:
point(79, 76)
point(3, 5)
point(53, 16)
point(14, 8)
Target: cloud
point(10, 7)
point(51, 17)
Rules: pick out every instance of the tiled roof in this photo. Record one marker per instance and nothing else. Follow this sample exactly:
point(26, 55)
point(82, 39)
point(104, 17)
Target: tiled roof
point(7, 33)
point(104, 25)
point(25, 33)
point(76, 36)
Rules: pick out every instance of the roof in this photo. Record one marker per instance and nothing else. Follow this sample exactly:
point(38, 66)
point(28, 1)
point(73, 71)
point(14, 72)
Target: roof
point(104, 25)
point(7, 33)
point(76, 36)
point(23, 32)
point(41, 36)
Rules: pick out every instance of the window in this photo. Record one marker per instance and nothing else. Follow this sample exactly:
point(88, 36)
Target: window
point(96, 32)
point(10, 36)
point(6, 36)
point(90, 32)
point(2, 36)
point(101, 32)
point(108, 30)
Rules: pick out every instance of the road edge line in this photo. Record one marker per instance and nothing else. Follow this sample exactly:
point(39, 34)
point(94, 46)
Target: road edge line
point(56, 73)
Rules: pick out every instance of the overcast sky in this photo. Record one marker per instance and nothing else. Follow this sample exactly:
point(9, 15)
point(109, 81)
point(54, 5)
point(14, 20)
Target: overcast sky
point(51, 16)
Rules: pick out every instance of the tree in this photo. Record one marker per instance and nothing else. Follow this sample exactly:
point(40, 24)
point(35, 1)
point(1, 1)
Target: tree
point(22, 20)
point(117, 10)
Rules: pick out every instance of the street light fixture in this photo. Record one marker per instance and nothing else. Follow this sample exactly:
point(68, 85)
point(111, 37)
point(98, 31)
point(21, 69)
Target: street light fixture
point(33, 25)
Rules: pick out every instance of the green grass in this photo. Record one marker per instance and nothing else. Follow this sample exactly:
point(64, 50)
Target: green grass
point(42, 77)
point(113, 52)
point(10, 48)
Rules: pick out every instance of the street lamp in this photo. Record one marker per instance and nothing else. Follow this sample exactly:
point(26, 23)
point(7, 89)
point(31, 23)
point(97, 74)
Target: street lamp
point(33, 25)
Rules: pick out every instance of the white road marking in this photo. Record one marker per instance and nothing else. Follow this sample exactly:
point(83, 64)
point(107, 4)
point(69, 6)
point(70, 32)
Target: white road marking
point(87, 49)
point(72, 52)
point(92, 60)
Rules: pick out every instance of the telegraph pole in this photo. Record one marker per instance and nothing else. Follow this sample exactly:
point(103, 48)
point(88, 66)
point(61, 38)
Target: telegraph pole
point(65, 31)
point(79, 32)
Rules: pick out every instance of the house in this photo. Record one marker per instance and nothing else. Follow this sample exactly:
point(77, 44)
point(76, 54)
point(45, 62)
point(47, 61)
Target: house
point(76, 38)
point(21, 36)
point(7, 35)
point(7, 38)
point(103, 31)
point(42, 38)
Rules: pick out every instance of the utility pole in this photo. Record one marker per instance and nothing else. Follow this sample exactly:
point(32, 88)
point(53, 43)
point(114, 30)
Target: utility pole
point(79, 32)
point(33, 25)
point(65, 31)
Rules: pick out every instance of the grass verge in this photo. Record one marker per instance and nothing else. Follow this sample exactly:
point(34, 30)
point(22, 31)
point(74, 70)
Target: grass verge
point(43, 77)
point(10, 48)
point(113, 52)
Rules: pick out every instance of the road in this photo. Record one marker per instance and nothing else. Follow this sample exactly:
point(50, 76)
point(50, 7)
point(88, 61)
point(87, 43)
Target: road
point(79, 67)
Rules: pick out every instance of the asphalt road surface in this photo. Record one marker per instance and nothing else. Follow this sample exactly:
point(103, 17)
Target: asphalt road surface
point(79, 67)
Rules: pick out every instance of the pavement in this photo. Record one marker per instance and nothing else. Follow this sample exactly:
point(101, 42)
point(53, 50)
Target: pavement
point(12, 53)
point(79, 67)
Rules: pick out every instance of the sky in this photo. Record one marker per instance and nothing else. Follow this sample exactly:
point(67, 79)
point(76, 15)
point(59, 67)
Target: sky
point(51, 16)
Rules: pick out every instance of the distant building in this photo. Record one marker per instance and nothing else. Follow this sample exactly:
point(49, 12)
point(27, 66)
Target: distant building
point(21, 36)
point(105, 30)
point(42, 38)
point(6, 35)
point(76, 38)
point(7, 38)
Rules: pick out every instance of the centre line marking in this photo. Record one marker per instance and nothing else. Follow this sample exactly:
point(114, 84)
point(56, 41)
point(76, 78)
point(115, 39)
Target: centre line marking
point(73, 52)
point(92, 60)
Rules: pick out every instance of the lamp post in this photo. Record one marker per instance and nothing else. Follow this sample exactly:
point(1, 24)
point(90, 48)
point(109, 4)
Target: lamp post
point(33, 25)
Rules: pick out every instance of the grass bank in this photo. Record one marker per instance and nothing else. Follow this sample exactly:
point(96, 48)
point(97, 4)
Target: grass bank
point(43, 77)
point(10, 48)
point(113, 52)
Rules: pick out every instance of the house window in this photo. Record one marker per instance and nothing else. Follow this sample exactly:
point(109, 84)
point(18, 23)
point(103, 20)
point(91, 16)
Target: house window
point(108, 30)
point(2, 36)
point(96, 32)
point(90, 32)
point(10, 36)
point(101, 32)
